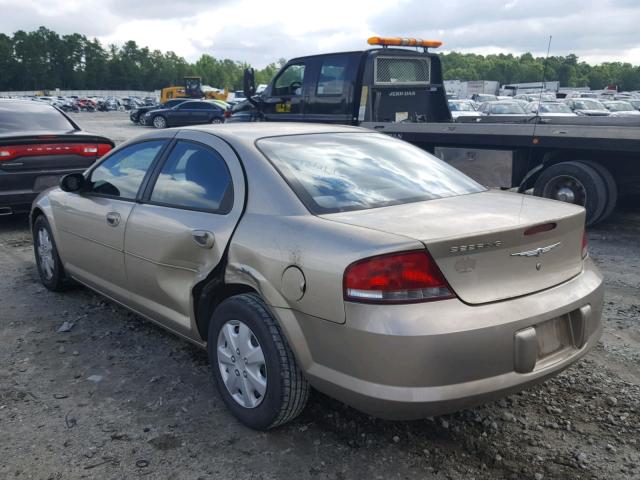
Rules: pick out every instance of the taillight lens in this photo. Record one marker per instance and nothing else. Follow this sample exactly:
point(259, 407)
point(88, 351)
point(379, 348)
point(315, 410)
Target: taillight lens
point(396, 278)
point(35, 150)
point(585, 245)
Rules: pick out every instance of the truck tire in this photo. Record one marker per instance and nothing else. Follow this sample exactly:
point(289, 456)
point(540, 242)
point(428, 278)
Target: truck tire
point(610, 184)
point(574, 182)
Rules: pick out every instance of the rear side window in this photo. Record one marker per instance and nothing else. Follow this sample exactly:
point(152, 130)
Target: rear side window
point(331, 78)
point(32, 116)
point(402, 70)
point(338, 172)
point(121, 174)
point(194, 177)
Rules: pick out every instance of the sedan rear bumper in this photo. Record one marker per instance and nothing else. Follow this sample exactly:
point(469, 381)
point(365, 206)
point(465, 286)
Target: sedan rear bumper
point(413, 361)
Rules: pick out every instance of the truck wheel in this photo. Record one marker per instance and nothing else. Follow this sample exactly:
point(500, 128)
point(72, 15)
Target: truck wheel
point(253, 366)
point(574, 182)
point(611, 186)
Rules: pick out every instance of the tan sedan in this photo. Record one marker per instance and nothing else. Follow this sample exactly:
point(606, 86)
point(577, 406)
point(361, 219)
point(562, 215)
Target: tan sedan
point(303, 255)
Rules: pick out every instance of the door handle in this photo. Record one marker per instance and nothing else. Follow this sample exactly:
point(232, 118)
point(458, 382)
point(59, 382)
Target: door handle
point(203, 238)
point(113, 219)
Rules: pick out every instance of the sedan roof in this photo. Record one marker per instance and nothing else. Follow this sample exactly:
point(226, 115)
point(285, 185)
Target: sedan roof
point(249, 132)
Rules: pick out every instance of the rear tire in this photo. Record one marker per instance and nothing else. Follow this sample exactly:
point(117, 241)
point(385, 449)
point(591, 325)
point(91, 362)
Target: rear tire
point(48, 262)
point(611, 186)
point(574, 182)
point(159, 122)
point(285, 391)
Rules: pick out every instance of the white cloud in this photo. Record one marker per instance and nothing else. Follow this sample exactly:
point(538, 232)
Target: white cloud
point(261, 32)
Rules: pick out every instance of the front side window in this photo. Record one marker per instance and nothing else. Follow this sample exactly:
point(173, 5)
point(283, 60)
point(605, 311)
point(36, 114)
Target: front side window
point(331, 79)
point(289, 82)
point(338, 172)
point(194, 177)
point(121, 174)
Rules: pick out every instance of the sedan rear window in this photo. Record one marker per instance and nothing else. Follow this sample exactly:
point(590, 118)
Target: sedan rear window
point(340, 172)
point(26, 116)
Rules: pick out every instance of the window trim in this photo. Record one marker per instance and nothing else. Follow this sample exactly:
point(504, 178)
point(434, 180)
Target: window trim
point(145, 197)
point(143, 184)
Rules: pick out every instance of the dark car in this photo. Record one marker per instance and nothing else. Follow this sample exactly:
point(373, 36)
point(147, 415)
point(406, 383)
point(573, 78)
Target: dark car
point(137, 114)
point(193, 112)
point(38, 145)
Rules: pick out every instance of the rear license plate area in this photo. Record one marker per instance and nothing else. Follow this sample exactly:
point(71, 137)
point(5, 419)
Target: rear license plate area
point(553, 336)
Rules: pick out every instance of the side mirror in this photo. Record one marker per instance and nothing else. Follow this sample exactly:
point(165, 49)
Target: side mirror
point(249, 82)
point(72, 182)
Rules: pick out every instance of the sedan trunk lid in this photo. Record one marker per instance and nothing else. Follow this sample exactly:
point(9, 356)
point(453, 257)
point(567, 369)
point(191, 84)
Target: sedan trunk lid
point(479, 241)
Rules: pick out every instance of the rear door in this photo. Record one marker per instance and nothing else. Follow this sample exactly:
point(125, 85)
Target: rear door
point(179, 232)
point(91, 224)
point(331, 90)
point(181, 114)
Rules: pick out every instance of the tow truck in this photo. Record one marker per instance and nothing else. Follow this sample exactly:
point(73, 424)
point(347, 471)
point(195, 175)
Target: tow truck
point(397, 88)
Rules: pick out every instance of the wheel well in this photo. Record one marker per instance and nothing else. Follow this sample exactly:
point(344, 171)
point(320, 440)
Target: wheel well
point(35, 214)
point(209, 293)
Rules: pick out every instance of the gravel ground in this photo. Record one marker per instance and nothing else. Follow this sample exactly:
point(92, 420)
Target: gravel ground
point(117, 397)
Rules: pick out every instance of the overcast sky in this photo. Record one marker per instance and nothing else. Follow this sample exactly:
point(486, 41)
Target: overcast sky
point(261, 32)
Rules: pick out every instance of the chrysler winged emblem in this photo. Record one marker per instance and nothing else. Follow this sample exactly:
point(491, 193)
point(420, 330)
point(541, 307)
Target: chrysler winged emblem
point(537, 252)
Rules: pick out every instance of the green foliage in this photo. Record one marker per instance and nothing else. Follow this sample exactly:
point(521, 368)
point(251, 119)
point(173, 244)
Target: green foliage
point(44, 60)
point(512, 69)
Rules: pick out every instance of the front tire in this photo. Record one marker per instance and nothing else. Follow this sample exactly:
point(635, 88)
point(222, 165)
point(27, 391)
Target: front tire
point(159, 122)
point(48, 262)
point(253, 366)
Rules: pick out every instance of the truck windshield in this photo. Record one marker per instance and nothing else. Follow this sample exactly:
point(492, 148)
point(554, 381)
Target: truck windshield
point(337, 172)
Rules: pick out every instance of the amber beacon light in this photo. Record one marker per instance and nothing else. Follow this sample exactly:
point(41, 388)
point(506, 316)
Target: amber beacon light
point(403, 42)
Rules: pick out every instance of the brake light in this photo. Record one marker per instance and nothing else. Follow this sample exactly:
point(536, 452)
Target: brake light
point(34, 150)
point(545, 227)
point(406, 277)
point(585, 244)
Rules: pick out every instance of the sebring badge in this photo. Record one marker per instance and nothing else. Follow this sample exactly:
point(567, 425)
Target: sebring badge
point(537, 252)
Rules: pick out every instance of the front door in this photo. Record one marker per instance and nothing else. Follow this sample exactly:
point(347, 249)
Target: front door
point(285, 100)
point(91, 224)
point(179, 232)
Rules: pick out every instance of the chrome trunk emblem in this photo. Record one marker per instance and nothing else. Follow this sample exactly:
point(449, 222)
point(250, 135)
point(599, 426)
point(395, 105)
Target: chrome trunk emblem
point(537, 252)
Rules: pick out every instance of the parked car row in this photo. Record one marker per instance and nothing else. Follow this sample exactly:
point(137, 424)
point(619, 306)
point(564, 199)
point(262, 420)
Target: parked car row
point(75, 103)
point(545, 105)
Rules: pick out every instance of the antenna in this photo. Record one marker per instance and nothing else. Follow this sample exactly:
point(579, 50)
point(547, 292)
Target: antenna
point(544, 83)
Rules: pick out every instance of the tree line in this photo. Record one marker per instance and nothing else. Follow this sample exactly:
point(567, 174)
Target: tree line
point(44, 60)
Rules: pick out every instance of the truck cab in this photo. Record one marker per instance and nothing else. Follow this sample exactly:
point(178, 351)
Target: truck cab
point(376, 85)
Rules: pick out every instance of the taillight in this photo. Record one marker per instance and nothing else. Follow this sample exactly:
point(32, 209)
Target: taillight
point(395, 278)
point(227, 114)
point(34, 150)
point(585, 244)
